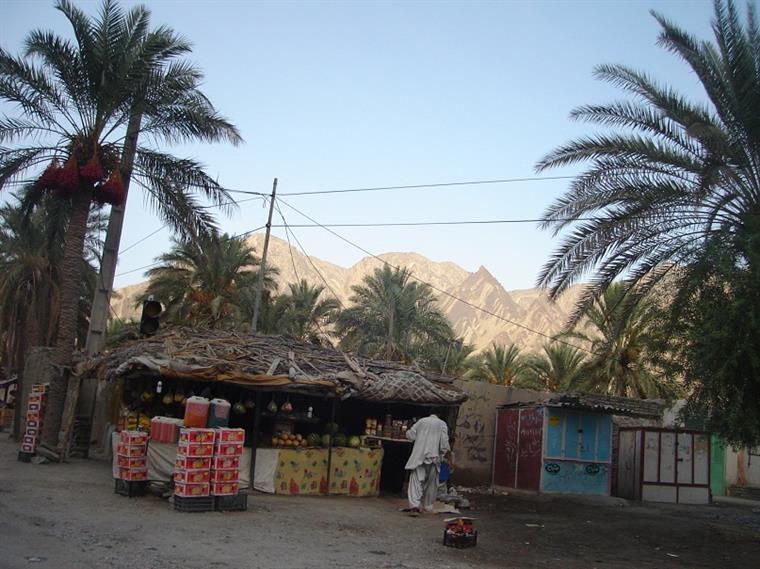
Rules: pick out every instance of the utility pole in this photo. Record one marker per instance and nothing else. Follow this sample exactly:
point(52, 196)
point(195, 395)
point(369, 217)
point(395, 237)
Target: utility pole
point(262, 268)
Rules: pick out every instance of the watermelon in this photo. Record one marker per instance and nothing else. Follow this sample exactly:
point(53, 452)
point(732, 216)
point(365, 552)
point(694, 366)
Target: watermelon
point(331, 428)
point(354, 442)
point(313, 439)
point(340, 440)
point(326, 440)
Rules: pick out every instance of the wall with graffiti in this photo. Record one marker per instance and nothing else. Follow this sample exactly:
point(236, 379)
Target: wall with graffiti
point(576, 477)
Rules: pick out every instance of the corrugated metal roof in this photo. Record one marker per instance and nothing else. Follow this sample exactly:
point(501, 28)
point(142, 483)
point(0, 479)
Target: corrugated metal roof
point(599, 403)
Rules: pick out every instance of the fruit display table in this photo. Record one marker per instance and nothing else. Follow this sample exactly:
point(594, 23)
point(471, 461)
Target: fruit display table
point(355, 471)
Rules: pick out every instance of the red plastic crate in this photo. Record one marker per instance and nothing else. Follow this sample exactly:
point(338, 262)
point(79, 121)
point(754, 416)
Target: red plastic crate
point(192, 490)
point(192, 463)
point(132, 462)
point(133, 474)
point(195, 449)
point(197, 436)
point(228, 449)
point(225, 463)
point(225, 475)
point(192, 476)
point(224, 488)
point(224, 435)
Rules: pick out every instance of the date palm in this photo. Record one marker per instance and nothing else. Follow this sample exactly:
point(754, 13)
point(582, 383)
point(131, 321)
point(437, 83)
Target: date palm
point(502, 365)
point(116, 82)
point(667, 175)
point(303, 314)
point(391, 316)
point(451, 357)
point(205, 281)
point(559, 368)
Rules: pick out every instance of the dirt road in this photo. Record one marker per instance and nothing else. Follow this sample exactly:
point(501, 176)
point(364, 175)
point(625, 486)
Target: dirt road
point(67, 516)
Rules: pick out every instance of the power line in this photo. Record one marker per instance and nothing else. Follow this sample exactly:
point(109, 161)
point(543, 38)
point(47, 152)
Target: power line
point(453, 296)
point(429, 223)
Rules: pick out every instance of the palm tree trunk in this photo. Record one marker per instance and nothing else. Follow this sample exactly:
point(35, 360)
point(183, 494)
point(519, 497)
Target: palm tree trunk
point(71, 279)
point(96, 333)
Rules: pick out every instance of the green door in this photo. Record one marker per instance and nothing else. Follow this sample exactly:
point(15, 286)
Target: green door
point(717, 467)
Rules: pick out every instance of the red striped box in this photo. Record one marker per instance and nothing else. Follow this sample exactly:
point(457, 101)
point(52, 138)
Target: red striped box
point(195, 449)
point(225, 463)
point(34, 423)
point(29, 440)
point(197, 436)
point(33, 416)
point(32, 431)
point(192, 490)
point(34, 406)
point(28, 448)
point(132, 462)
point(228, 449)
point(192, 476)
point(225, 435)
point(133, 474)
point(224, 488)
point(192, 463)
point(39, 387)
point(133, 438)
point(36, 397)
point(131, 450)
point(225, 476)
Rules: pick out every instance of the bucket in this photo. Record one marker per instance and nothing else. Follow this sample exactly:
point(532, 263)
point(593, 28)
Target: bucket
point(219, 413)
point(196, 412)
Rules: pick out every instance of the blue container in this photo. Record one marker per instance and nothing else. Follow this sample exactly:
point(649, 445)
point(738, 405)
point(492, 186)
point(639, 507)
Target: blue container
point(219, 413)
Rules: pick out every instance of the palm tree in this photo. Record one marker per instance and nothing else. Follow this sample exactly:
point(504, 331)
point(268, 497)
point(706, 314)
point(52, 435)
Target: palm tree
point(206, 281)
point(302, 314)
point(453, 357)
point(502, 365)
point(391, 316)
point(621, 335)
point(672, 174)
point(559, 368)
point(31, 255)
point(77, 102)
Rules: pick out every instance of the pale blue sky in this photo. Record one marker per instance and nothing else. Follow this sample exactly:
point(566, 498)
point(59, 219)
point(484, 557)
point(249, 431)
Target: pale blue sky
point(332, 95)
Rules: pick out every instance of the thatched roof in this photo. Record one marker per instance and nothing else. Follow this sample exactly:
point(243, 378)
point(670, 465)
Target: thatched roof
point(272, 363)
point(600, 403)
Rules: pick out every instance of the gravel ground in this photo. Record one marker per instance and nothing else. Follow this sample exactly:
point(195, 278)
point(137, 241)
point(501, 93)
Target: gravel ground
point(67, 516)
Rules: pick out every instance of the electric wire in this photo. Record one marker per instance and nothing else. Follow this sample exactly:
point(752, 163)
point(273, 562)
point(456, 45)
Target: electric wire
point(440, 290)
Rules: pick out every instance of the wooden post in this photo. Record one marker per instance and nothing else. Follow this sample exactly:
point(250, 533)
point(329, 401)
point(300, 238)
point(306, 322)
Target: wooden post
point(262, 268)
point(256, 435)
point(329, 449)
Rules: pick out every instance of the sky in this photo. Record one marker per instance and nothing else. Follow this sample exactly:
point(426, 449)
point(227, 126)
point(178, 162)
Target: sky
point(342, 95)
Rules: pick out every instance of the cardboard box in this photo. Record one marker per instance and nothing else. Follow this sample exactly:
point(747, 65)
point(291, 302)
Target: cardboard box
point(34, 423)
point(192, 490)
point(29, 440)
point(133, 438)
point(131, 450)
point(34, 416)
point(40, 387)
point(225, 463)
point(197, 435)
point(132, 462)
point(228, 449)
point(192, 476)
point(133, 474)
point(225, 475)
point(195, 449)
point(36, 397)
point(34, 406)
point(224, 435)
point(32, 431)
point(28, 448)
point(224, 488)
point(192, 463)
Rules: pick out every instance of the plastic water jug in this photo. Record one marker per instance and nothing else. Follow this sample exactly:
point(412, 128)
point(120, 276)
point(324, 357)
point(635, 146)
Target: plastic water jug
point(196, 412)
point(219, 413)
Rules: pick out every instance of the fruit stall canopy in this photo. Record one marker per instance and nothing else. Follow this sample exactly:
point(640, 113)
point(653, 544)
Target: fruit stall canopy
point(272, 363)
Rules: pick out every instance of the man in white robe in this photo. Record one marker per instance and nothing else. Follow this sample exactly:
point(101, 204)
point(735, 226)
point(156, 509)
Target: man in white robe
point(431, 443)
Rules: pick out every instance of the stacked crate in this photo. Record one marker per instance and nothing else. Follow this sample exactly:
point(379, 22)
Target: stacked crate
point(132, 463)
point(35, 412)
point(225, 466)
point(192, 470)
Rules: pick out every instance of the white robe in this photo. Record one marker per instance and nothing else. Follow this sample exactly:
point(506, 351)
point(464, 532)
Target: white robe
point(431, 442)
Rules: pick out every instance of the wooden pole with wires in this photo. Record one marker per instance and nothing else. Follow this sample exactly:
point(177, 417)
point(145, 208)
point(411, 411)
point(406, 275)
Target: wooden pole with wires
point(262, 268)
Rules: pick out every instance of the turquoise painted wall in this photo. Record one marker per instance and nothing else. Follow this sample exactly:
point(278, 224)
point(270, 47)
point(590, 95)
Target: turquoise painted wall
point(576, 477)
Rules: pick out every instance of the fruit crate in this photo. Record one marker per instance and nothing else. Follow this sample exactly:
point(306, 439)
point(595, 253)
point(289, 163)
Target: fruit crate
point(25, 456)
point(460, 540)
point(130, 488)
point(194, 504)
point(235, 503)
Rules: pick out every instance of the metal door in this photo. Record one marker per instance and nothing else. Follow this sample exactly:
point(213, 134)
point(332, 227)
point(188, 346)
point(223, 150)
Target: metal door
point(505, 451)
point(529, 449)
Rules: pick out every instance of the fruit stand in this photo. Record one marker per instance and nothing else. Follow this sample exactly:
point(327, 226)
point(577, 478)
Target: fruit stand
point(314, 420)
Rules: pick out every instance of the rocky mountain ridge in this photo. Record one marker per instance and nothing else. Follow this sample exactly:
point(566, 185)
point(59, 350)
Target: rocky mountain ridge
point(480, 309)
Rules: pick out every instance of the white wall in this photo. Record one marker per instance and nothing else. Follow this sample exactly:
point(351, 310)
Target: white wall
point(742, 468)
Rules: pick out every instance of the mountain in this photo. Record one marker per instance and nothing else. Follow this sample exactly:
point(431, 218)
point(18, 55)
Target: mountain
point(506, 317)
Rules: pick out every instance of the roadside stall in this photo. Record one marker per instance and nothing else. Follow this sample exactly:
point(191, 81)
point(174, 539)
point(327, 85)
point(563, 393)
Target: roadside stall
point(312, 419)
